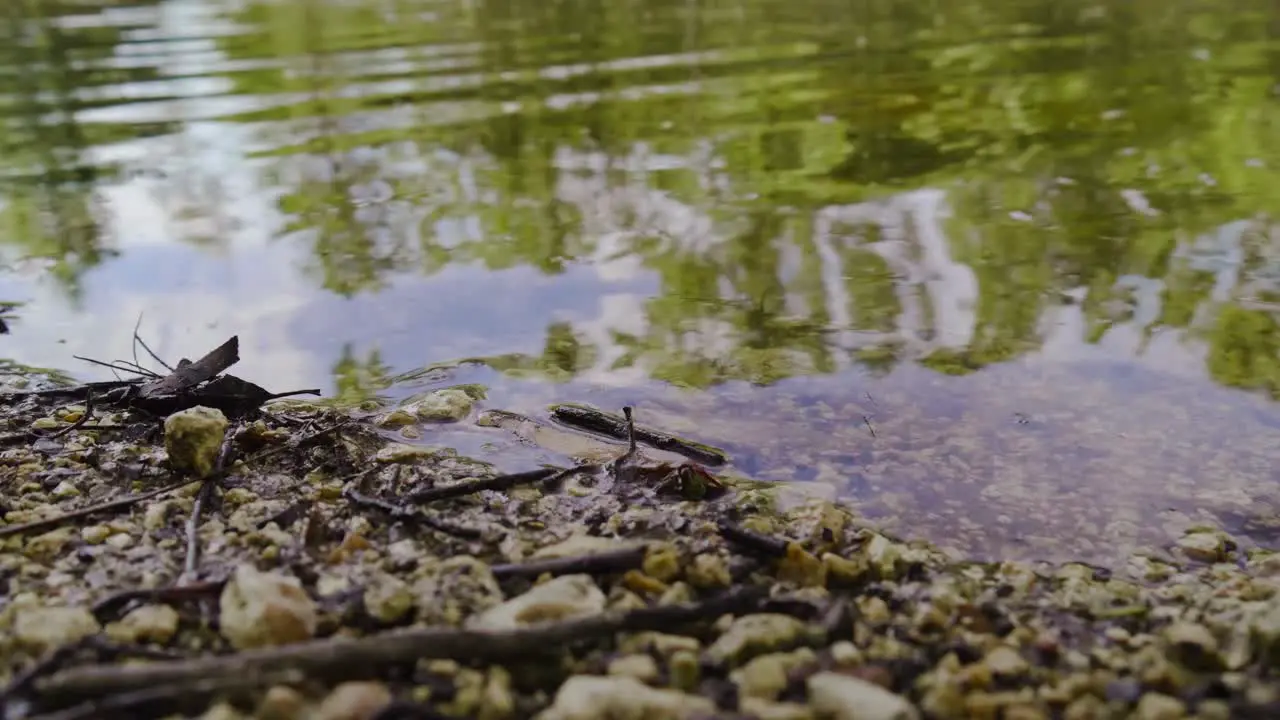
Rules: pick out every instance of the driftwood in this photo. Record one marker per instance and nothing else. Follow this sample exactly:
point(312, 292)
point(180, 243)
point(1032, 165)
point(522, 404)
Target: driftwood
point(588, 418)
point(187, 385)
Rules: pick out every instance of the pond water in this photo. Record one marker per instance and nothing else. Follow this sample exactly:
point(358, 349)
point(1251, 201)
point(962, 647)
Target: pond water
point(1032, 244)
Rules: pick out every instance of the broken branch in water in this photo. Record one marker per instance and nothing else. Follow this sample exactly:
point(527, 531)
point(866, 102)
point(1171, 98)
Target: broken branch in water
point(601, 563)
point(340, 657)
point(475, 485)
point(592, 420)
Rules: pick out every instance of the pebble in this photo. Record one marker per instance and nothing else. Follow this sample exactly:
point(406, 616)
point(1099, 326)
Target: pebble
point(557, 599)
point(641, 667)
point(260, 609)
point(1157, 706)
point(150, 623)
point(755, 634)
point(45, 628)
point(589, 697)
point(281, 702)
point(1202, 546)
point(354, 701)
point(843, 697)
point(193, 437)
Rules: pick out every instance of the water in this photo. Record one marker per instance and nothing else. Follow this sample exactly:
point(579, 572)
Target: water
point(1032, 244)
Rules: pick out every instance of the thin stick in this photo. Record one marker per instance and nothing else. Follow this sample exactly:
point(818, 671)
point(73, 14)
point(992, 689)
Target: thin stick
point(631, 429)
point(601, 563)
point(88, 412)
point(109, 606)
point(225, 453)
point(82, 513)
point(867, 420)
point(138, 338)
point(112, 365)
point(336, 657)
point(125, 502)
point(753, 542)
point(475, 485)
point(410, 514)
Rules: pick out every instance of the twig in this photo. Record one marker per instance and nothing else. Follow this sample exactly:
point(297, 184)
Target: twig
point(587, 418)
point(134, 499)
point(191, 374)
point(80, 421)
point(134, 701)
point(337, 657)
point(600, 563)
point(225, 457)
point(867, 420)
point(139, 341)
point(409, 514)
point(754, 542)
point(475, 485)
point(123, 502)
point(124, 365)
point(631, 429)
point(111, 605)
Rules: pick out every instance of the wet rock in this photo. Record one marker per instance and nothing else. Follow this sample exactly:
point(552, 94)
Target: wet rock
point(193, 437)
point(800, 567)
point(1157, 706)
point(1192, 645)
point(455, 589)
point(400, 453)
point(259, 609)
point(883, 555)
point(587, 697)
point(354, 701)
point(755, 634)
point(845, 571)
point(149, 623)
point(843, 697)
point(396, 419)
point(1203, 546)
point(557, 599)
point(281, 702)
point(663, 644)
point(43, 628)
point(445, 405)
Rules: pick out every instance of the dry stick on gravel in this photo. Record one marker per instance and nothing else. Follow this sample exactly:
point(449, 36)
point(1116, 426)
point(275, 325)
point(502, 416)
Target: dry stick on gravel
point(601, 563)
point(226, 455)
point(409, 514)
point(110, 606)
point(125, 502)
point(753, 543)
point(351, 657)
point(80, 421)
point(82, 513)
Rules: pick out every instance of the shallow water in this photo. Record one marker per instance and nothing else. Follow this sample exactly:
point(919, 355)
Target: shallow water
point(1033, 242)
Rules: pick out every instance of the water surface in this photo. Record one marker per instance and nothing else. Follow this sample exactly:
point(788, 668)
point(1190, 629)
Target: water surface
point(1032, 243)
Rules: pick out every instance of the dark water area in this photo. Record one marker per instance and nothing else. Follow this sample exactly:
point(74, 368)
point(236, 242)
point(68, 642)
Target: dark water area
point(1032, 244)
